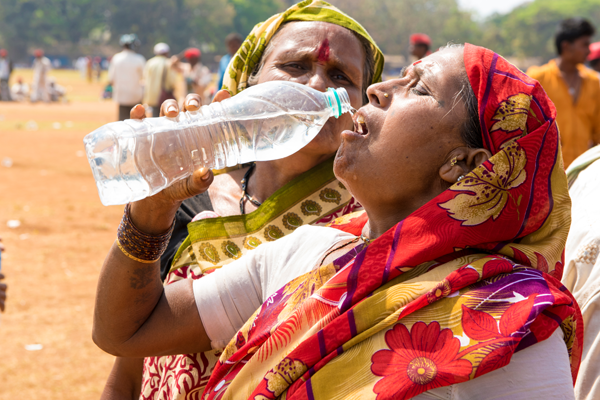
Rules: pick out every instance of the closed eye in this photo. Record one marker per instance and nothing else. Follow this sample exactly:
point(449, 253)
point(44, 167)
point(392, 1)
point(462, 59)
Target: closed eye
point(419, 91)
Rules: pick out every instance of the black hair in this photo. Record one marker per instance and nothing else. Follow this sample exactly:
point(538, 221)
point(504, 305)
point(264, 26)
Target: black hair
point(368, 72)
point(471, 130)
point(571, 29)
point(234, 37)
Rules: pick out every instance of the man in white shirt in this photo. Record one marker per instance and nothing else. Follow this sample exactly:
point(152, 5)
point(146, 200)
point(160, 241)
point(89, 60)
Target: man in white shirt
point(41, 67)
point(125, 74)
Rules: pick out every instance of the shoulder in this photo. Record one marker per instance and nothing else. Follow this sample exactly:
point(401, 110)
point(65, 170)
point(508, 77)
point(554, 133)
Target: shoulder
point(538, 72)
point(589, 74)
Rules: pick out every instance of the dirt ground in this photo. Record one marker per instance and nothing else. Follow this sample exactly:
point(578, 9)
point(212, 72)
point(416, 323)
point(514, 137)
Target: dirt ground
point(53, 258)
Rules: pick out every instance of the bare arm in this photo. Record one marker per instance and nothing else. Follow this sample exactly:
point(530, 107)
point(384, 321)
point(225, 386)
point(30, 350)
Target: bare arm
point(135, 316)
point(125, 380)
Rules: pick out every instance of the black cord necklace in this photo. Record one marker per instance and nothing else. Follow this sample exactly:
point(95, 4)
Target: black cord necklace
point(246, 196)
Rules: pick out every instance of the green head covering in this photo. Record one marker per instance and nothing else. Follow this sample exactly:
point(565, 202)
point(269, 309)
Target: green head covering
point(244, 61)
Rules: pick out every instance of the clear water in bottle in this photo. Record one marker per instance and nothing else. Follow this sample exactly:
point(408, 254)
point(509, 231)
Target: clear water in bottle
point(135, 159)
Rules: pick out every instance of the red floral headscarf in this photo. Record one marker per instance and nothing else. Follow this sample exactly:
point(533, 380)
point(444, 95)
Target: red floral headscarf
point(448, 294)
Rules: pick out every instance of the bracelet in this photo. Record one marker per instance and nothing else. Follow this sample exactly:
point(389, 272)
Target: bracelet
point(140, 246)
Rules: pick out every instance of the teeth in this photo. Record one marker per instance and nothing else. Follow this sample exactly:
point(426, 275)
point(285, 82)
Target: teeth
point(359, 128)
point(360, 119)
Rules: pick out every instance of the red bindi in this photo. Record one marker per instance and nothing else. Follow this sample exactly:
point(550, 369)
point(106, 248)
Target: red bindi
point(416, 62)
point(323, 51)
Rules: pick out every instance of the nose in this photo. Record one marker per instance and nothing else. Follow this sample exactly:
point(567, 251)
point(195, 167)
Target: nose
point(318, 81)
point(378, 95)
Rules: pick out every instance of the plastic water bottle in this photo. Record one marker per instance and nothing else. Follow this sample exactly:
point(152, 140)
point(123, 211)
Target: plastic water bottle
point(134, 159)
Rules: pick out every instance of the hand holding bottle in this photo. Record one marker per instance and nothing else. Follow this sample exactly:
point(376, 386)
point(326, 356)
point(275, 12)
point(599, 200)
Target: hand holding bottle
point(166, 202)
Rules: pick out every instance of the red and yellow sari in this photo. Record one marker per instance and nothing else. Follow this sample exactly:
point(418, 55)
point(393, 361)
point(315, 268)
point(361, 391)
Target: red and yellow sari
point(448, 294)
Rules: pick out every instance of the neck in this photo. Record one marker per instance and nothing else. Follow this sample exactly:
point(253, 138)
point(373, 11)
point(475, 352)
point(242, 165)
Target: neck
point(270, 176)
point(379, 223)
point(566, 66)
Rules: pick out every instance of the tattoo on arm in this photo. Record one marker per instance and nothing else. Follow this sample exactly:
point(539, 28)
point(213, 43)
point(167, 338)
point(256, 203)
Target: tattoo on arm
point(141, 278)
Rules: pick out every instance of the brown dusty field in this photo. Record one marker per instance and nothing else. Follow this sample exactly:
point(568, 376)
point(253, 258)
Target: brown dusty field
point(53, 258)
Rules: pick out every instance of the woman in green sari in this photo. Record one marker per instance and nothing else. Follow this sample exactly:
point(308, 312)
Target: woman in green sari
point(311, 43)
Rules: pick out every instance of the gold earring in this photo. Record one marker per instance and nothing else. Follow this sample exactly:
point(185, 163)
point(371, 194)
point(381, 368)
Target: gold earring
point(385, 95)
point(453, 162)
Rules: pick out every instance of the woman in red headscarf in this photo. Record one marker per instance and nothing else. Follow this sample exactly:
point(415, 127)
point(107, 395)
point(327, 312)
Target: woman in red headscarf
point(447, 286)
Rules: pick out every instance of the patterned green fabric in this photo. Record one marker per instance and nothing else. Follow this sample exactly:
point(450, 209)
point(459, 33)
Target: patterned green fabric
point(247, 57)
point(581, 163)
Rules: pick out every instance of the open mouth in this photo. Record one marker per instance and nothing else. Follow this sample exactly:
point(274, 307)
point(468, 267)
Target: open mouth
point(360, 126)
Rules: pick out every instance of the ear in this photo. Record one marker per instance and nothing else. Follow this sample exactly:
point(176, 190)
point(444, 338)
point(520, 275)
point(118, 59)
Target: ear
point(461, 161)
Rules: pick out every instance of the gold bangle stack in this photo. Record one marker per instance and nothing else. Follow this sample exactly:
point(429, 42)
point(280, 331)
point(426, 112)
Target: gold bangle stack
point(140, 246)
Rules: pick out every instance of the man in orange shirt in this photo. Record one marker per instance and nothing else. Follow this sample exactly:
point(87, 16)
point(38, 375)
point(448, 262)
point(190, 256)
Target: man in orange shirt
point(574, 89)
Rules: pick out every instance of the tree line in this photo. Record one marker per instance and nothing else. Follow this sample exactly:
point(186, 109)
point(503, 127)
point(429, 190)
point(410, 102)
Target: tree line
point(80, 27)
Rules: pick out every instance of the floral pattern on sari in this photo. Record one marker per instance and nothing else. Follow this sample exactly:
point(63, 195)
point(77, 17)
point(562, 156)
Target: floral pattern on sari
point(448, 294)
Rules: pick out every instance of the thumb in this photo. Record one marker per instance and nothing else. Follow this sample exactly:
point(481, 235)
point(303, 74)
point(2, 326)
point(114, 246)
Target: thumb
point(200, 181)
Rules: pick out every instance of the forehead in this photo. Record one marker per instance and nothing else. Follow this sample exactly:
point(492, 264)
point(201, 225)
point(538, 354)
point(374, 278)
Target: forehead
point(445, 68)
point(306, 37)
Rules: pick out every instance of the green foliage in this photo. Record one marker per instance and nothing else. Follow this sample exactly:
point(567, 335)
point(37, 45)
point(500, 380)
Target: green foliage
point(528, 31)
point(76, 27)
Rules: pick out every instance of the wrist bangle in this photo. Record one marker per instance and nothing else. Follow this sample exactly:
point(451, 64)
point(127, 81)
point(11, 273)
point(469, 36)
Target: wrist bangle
point(140, 246)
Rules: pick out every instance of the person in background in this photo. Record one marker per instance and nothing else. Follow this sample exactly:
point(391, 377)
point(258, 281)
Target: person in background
point(197, 76)
point(158, 78)
point(88, 68)
point(574, 89)
point(594, 57)
point(6, 68)
point(420, 44)
point(41, 67)
point(3, 286)
point(233, 42)
point(56, 92)
point(97, 67)
point(19, 90)
point(126, 74)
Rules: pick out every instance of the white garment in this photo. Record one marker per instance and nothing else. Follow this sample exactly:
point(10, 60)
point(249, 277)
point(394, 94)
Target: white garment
point(4, 68)
point(19, 91)
point(229, 296)
point(41, 67)
point(126, 72)
point(582, 274)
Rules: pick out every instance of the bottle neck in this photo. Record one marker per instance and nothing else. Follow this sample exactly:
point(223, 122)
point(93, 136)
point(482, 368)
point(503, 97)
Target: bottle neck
point(338, 101)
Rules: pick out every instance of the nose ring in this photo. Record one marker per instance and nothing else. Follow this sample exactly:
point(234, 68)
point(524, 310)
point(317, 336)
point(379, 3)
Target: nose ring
point(385, 95)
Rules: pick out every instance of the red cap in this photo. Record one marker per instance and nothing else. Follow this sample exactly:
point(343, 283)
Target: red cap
point(420, 38)
point(192, 52)
point(594, 51)
point(3, 52)
point(38, 52)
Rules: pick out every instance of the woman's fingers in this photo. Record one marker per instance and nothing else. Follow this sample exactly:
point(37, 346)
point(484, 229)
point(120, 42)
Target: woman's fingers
point(221, 95)
point(137, 112)
point(169, 108)
point(192, 102)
